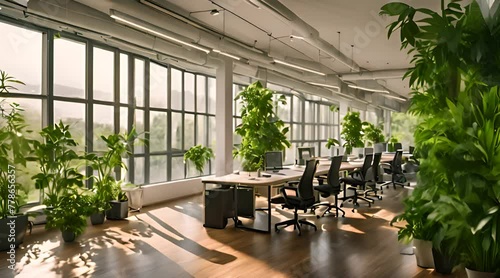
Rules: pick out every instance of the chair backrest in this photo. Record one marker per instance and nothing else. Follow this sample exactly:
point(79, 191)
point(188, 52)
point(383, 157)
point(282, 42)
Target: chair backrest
point(305, 188)
point(366, 164)
point(374, 174)
point(398, 146)
point(333, 177)
point(397, 162)
point(379, 147)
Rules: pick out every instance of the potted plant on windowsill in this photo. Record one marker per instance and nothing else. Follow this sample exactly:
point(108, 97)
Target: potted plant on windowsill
point(373, 134)
point(14, 148)
point(352, 132)
point(260, 129)
point(198, 156)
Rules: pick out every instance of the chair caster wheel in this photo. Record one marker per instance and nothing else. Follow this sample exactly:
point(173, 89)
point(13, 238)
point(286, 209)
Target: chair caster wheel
point(354, 210)
point(277, 230)
point(380, 197)
point(318, 217)
point(369, 205)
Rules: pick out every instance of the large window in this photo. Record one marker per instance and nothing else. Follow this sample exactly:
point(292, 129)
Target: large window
point(69, 68)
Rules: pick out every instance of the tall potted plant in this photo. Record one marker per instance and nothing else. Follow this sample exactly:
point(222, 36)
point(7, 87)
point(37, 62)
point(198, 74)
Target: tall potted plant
point(261, 130)
point(454, 79)
point(352, 131)
point(14, 148)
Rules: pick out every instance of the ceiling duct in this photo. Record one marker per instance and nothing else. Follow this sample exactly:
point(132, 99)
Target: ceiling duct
point(374, 75)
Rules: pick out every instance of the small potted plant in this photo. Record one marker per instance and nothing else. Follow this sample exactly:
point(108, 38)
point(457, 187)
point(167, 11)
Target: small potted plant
point(372, 133)
point(198, 156)
point(70, 214)
point(119, 203)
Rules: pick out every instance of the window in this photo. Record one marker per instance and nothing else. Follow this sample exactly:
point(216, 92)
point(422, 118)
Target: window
point(211, 95)
point(201, 93)
point(103, 125)
point(72, 114)
point(69, 68)
point(176, 132)
point(104, 72)
point(21, 57)
point(139, 82)
point(176, 101)
point(158, 131)
point(158, 165)
point(188, 92)
point(123, 78)
point(158, 82)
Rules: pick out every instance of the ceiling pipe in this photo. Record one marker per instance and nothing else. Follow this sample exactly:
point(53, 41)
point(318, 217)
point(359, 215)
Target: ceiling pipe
point(306, 32)
point(374, 75)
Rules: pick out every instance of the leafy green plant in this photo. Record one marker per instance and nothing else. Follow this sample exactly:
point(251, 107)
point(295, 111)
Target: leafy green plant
point(198, 155)
point(71, 211)
point(332, 142)
point(58, 163)
point(372, 133)
point(352, 131)
point(260, 129)
point(105, 186)
point(454, 81)
point(334, 108)
point(14, 148)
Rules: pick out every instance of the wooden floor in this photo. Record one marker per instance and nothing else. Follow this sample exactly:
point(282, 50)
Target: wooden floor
point(170, 241)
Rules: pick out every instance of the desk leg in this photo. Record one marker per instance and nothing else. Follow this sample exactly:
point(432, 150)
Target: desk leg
point(269, 209)
point(239, 224)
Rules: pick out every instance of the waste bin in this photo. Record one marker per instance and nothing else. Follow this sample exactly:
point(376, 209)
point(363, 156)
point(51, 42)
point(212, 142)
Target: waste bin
point(218, 207)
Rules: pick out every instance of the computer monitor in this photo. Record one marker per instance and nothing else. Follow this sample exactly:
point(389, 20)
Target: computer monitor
point(304, 154)
point(273, 161)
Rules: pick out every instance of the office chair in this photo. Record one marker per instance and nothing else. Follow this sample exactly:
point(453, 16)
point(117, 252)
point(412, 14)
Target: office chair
point(332, 187)
point(357, 180)
point(303, 198)
point(398, 146)
point(395, 170)
point(374, 178)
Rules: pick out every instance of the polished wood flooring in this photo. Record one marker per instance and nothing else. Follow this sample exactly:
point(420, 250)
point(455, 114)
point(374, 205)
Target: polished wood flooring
point(169, 240)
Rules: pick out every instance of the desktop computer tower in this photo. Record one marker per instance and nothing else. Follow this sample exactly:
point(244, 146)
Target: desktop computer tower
point(245, 201)
point(219, 206)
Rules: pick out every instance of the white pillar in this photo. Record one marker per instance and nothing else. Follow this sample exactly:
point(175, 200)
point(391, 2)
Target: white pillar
point(224, 118)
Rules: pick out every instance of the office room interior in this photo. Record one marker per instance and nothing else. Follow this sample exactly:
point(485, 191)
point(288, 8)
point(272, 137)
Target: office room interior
point(237, 138)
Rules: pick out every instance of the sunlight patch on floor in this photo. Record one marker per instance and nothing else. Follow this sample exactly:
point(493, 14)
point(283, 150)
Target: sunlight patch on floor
point(350, 228)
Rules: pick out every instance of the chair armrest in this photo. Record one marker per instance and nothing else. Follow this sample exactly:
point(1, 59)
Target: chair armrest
point(293, 182)
point(289, 191)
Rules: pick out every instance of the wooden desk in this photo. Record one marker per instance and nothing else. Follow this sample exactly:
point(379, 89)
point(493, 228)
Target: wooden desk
point(276, 180)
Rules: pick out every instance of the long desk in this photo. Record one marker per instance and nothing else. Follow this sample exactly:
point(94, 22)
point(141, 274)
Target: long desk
point(275, 180)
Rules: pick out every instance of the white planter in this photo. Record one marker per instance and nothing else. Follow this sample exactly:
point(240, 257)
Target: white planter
point(478, 274)
point(423, 253)
point(134, 197)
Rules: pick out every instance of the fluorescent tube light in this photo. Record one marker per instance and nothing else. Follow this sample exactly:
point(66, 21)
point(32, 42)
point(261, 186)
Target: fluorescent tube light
point(395, 97)
point(368, 89)
point(324, 85)
point(133, 22)
point(298, 67)
point(251, 2)
point(226, 54)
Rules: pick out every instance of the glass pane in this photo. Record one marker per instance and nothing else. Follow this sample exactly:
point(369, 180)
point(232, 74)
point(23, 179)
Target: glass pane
point(24, 58)
point(139, 82)
point(158, 78)
point(123, 78)
point(158, 169)
point(297, 109)
point(69, 68)
point(139, 170)
point(297, 132)
point(176, 132)
point(309, 112)
point(103, 125)
point(32, 112)
point(238, 103)
point(309, 132)
point(201, 93)
point(139, 127)
point(73, 114)
point(201, 136)
point(211, 132)
point(290, 155)
point(123, 120)
point(177, 168)
point(284, 110)
point(188, 131)
point(189, 92)
point(104, 74)
point(176, 101)
point(124, 172)
point(158, 133)
point(211, 95)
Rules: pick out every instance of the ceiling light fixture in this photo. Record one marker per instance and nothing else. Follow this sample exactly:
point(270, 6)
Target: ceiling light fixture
point(298, 67)
point(214, 12)
point(252, 2)
point(131, 21)
point(395, 97)
point(324, 85)
point(368, 89)
point(226, 54)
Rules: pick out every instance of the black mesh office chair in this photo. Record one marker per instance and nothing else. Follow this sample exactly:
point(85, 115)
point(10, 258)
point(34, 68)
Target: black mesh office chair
point(300, 197)
point(332, 187)
point(398, 146)
point(374, 178)
point(357, 180)
point(395, 170)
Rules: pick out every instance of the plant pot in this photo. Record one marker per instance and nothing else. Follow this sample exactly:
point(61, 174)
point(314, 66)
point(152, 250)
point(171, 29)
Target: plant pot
point(134, 197)
point(423, 253)
point(118, 211)
point(479, 274)
point(443, 263)
point(97, 218)
point(68, 236)
point(13, 233)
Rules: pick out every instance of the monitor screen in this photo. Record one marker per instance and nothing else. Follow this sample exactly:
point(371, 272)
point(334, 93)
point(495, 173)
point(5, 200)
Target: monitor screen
point(274, 160)
point(304, 154)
